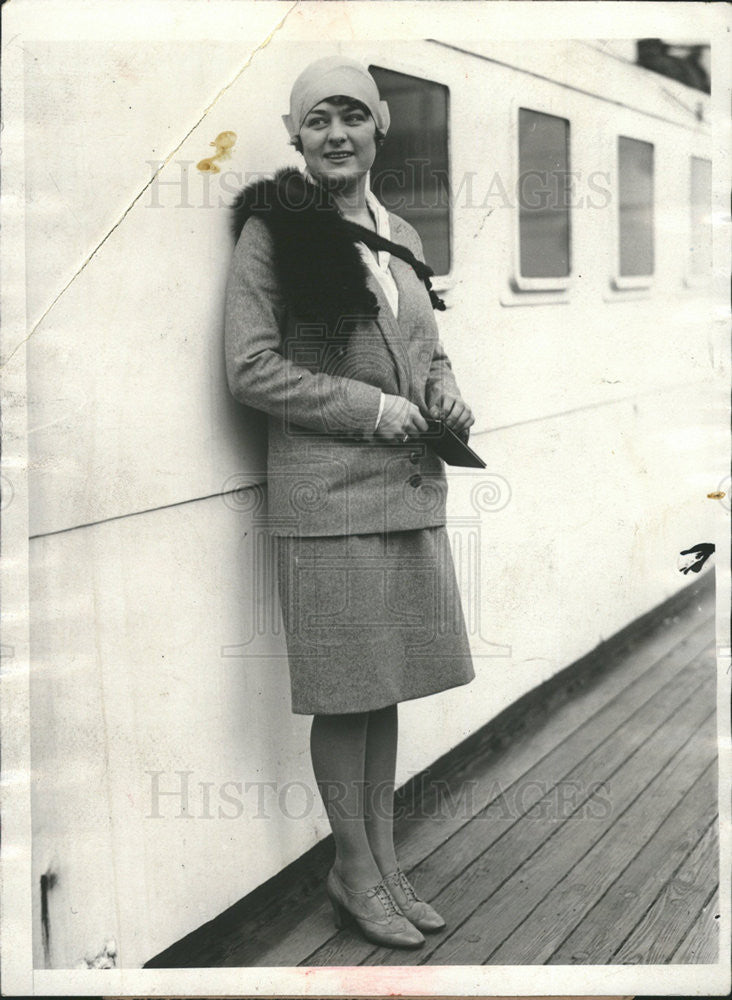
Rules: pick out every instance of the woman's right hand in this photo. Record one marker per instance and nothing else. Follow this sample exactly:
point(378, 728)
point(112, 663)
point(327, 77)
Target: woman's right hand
point(400, 417)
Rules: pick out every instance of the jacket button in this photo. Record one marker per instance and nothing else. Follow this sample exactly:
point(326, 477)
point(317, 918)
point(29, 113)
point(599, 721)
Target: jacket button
point(414, 457)
point(415, 480)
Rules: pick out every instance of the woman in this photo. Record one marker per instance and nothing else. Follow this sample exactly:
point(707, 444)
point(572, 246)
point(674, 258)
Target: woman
point(330, 330)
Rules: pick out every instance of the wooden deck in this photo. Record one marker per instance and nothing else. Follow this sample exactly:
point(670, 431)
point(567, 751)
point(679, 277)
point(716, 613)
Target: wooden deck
point(591, 838)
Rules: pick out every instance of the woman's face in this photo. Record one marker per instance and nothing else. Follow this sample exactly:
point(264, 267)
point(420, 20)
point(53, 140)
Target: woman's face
point(338, 141)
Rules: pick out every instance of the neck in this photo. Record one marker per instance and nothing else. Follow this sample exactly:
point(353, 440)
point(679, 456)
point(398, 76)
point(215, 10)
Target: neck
point(350, 197)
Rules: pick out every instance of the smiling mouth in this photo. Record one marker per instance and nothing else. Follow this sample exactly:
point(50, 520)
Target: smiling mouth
point(338, 156)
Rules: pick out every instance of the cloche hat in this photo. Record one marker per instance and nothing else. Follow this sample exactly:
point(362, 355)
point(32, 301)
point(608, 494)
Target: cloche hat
point(328, 77)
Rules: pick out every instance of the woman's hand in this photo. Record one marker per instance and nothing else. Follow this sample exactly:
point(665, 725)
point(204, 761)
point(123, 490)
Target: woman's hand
point(400, 417)
point(456, 413)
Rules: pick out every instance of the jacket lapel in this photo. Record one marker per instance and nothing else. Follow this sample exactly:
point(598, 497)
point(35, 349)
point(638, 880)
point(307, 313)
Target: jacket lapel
point(389, 326)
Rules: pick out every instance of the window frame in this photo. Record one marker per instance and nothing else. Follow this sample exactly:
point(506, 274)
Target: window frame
point(629, 282)
point(557, 288)
point(445, 281)
point(692, 280)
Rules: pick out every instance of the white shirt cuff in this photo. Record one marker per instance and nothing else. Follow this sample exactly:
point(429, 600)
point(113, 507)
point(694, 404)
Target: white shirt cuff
point(381, 410)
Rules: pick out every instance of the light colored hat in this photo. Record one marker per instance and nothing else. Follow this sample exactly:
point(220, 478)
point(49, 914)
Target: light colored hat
point(328, 77)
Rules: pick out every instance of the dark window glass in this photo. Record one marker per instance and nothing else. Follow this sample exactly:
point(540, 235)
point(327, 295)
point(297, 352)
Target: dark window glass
point(410, 173)
point(701, 216)
point(543, 195)
point(635, 206)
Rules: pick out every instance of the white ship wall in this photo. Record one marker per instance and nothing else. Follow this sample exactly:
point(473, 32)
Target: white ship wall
point(158, 660)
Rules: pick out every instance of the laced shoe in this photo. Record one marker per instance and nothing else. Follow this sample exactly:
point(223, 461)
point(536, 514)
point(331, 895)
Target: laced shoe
point(417, 911)
point(374, 911)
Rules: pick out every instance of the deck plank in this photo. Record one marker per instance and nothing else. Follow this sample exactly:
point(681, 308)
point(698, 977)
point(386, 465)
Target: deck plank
point(701, 944)
point(638, 676)
point(460, 876)
point(676, 909)
point(553, 750)
point(481, 800)
point(478, 940)
point(602, 926)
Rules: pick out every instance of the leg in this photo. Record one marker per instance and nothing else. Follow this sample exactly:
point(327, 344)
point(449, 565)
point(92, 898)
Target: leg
point(380, 769)
point(338, 747)
point(354, 884)
point(379, 774)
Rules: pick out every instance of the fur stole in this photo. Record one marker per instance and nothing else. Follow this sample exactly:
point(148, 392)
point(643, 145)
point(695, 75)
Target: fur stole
point(318, 266)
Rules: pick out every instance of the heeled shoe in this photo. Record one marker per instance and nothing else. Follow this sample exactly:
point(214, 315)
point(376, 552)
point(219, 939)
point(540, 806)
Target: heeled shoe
point(374, 911)
point(416, 910)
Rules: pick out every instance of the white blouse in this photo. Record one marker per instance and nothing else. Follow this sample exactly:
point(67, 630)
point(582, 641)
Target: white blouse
point(380, 265)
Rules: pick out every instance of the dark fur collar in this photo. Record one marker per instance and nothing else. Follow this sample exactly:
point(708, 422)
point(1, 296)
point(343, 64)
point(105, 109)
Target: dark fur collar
point(318, 265)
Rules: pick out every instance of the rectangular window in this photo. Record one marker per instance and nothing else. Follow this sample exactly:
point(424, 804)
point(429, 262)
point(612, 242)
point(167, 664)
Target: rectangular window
point(701, 218)
point(543, 195)
point(635, 208)
point(410, 172)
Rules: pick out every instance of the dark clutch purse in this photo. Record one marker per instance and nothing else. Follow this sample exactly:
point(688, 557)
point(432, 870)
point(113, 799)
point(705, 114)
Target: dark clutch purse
point(450, 446)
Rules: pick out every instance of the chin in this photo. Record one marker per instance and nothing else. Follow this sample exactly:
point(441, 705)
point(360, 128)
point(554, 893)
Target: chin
point(341, 173)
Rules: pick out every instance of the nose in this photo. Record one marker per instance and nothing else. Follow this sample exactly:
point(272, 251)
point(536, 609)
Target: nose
point(337, 132)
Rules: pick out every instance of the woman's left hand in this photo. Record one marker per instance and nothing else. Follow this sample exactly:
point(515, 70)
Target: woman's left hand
point(454, 411)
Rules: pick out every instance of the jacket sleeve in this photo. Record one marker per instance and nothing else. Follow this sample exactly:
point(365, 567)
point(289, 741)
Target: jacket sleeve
point(257, 372)
point(440, 377)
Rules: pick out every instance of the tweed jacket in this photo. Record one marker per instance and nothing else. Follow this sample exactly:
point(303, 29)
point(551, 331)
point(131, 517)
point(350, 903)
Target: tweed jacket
point(328, 473)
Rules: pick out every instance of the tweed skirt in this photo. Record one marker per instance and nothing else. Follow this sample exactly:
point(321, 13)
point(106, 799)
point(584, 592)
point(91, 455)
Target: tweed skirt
point(370, 620)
